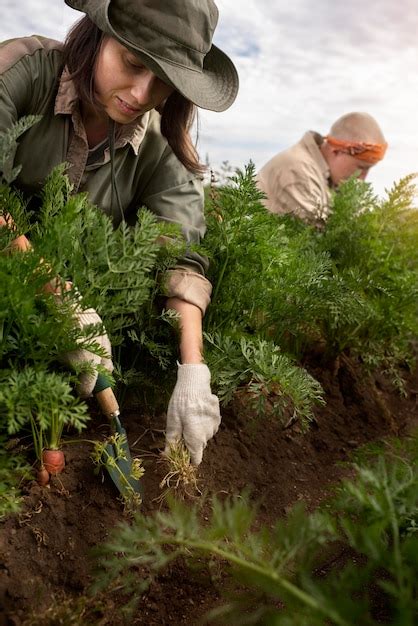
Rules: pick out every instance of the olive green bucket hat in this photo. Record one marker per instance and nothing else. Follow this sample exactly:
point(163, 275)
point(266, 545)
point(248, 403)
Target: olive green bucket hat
point(173, 38)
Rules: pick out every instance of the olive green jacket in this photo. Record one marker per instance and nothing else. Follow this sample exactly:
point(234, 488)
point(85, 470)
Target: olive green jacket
point(147, 172)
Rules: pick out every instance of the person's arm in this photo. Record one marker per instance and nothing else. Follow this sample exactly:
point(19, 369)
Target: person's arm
point(21, 242)
point(23, 74)
point(191, 342)
point(193, 411)
point(175, 195)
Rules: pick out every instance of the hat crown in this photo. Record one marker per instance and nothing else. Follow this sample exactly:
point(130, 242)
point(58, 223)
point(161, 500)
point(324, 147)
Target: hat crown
point(173, 38)
point(187, 23)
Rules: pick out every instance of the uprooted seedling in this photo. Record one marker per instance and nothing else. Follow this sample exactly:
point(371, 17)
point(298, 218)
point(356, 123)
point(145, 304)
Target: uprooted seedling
point(102, 458)
point(181, 477)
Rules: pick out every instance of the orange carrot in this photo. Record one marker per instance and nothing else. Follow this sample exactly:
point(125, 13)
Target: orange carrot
point(42, 476)
point(54, 461)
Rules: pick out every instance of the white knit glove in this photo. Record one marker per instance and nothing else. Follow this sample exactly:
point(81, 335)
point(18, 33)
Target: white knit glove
point(193, 411)
point(87, 380)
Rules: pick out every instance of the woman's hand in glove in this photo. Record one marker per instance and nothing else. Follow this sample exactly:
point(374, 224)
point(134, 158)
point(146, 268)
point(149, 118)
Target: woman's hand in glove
point(193, 411)
point(87, 380)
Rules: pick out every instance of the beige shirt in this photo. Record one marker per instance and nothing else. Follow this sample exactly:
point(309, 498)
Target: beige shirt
point(297, 180)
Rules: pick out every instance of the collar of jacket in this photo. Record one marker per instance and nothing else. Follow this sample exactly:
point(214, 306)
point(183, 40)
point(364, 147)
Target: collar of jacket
point(312, 142)
point(67, 101)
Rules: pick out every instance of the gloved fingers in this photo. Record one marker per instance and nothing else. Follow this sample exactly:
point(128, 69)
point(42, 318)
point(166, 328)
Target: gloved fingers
point(193, 445)
point(196, 433)
point(86, 383)
point(196, 436)
point(106, 362)
point(196, 453)
point(76, 359)
point(207, 418)
point(215, 412)
point(169, 444)
point(195, 407)
point(199, 420)
point(88, 317)
point(108, 365)
point(174, 428)
point(173, 433)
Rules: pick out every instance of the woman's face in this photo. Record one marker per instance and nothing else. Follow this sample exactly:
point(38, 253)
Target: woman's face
point(123, 85)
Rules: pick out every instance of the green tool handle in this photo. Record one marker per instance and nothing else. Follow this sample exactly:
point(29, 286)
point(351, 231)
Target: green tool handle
point(106, 398)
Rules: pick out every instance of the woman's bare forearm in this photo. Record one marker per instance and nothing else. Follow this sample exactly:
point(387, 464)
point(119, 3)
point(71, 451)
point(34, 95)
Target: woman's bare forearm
point(191, 339)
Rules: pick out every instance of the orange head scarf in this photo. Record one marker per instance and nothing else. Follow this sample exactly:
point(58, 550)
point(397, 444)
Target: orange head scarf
point(369, 152)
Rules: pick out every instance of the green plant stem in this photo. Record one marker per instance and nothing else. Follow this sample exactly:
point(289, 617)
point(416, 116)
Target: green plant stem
point(55, 430)
point(37, 434)
point(116, 466)
point(289, 587)
point(65, 441)
point(395, 535)
point(107, 455)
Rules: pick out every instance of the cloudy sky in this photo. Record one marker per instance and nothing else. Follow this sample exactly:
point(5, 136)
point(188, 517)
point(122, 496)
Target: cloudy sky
point(301, 65)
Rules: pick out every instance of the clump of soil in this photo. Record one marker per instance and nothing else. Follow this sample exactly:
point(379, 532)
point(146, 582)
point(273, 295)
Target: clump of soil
point(45, 551)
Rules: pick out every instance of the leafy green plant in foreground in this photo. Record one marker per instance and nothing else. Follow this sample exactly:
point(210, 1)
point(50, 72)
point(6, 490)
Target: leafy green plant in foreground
point(373, 515)
point(8, 145)
point(114, 269)
point(13, 469)
point(41, 401)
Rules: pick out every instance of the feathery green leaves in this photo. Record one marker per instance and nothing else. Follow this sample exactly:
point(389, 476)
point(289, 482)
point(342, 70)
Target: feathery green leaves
point(287, 571)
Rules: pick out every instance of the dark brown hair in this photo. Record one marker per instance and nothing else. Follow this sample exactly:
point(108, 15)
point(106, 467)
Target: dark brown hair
point(80, 52)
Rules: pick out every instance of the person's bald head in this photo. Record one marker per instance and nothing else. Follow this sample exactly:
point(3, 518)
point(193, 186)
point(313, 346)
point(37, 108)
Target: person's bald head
point(353, 127)
point(357, 127)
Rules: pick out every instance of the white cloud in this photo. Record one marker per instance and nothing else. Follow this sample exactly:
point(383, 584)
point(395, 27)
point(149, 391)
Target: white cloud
point(51, 18)
point(301, 66)
point(315, 62)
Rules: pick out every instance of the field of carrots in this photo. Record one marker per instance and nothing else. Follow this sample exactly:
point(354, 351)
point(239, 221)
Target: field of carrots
point(303, 511)
point(47, 567)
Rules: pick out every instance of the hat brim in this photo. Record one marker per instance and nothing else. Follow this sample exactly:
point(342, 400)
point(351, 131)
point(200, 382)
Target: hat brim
point(214, 88)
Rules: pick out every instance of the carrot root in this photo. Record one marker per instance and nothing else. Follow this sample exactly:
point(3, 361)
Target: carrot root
point(53, 461)
point(42, 476)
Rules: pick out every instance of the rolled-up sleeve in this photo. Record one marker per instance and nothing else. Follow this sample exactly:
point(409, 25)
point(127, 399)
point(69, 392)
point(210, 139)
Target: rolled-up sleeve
point(176, 196)
point(189, 286)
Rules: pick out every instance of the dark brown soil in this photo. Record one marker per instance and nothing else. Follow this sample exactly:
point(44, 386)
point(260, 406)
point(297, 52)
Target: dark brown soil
point(45, 561)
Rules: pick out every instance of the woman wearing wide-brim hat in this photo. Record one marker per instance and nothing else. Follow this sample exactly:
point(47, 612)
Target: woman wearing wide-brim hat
point(117, 101)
